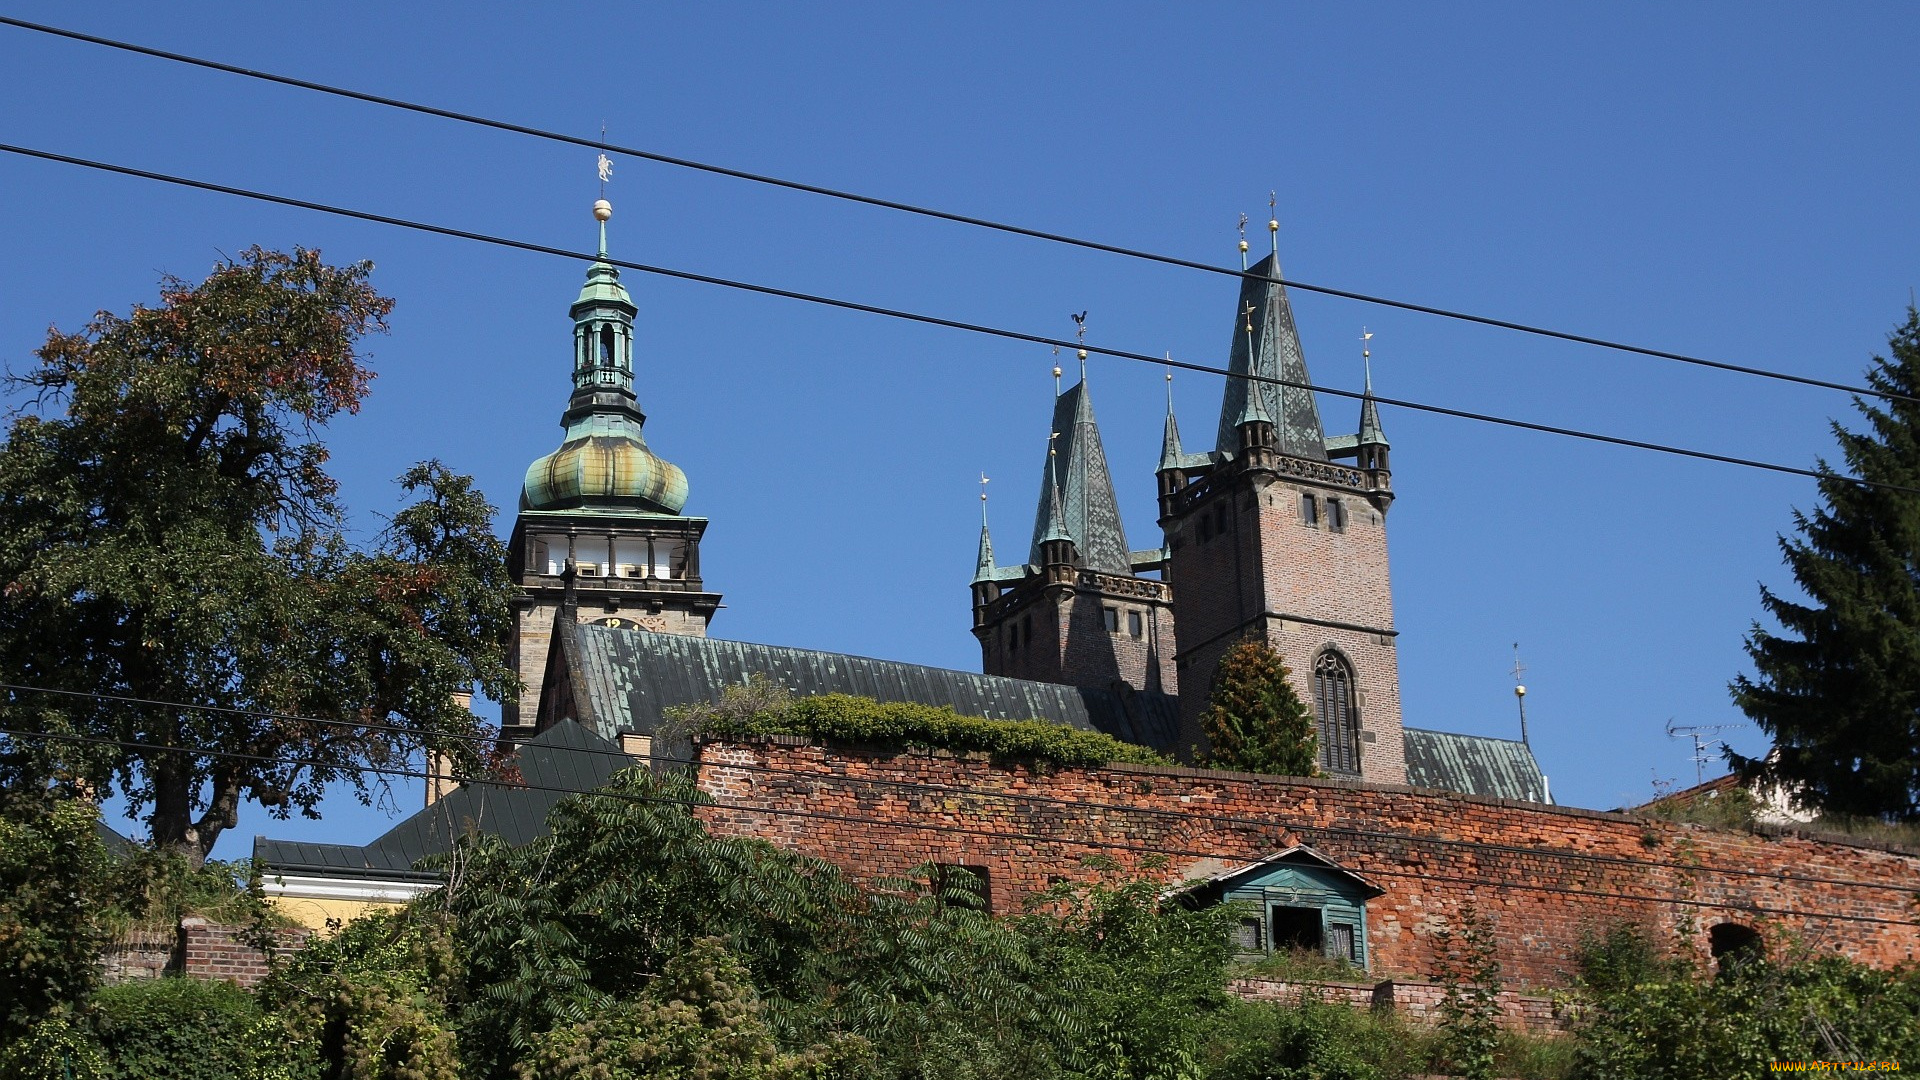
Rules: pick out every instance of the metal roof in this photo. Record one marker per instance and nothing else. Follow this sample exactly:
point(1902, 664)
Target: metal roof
point(624, 680)
point(565, 756)
point(1076, 497)
point(1474, 765)
point(1273, 353)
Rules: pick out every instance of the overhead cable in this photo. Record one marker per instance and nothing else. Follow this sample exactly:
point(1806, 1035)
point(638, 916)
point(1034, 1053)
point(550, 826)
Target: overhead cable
point(932, 320)
point(928, 212)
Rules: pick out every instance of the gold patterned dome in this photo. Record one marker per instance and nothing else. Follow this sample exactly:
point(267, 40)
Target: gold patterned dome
point(604, 462)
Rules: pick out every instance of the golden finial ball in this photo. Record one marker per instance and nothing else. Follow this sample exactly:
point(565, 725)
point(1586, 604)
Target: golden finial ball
point(602, 210)
point(1519, 691)
point(1083, 354)
point(1243, 247)
point(1056, 371)
point(1273, 224)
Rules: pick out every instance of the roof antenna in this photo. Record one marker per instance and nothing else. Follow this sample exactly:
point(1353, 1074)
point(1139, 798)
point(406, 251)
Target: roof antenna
point(1520, 693)
point(1080, 333)
point(1243, 242)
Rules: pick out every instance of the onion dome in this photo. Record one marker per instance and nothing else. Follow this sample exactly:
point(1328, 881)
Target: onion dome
point(604, 461)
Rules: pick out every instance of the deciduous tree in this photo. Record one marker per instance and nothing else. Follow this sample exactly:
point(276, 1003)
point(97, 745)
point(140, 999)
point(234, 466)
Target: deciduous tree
point(170, 537)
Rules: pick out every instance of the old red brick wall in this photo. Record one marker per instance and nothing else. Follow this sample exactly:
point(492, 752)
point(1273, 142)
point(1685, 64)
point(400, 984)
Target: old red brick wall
point(1541, 876)
point(209, 951)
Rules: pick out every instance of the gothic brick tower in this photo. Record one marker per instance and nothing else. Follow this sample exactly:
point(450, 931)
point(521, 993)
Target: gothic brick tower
point(1079, 611)
point(1274, 535)
point(600, 536)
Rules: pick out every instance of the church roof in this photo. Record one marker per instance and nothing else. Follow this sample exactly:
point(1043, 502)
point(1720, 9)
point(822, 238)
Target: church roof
point(1274, 353)
point(1474, 765)
point(563, 759)
point(625, 680)
point(1076, 491)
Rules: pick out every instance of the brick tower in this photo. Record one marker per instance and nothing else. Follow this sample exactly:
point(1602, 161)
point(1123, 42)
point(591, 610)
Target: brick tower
point(1080, 610)
point(600, 536)
point(1280, 533)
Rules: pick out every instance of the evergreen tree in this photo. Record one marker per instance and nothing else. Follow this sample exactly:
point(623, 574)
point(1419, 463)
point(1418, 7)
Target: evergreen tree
point(1254, 721)
point(1839, 688)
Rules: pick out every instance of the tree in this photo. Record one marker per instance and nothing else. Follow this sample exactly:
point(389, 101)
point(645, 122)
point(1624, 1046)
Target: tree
point(174, 560)
point(1839, 688)
point(1254, 722)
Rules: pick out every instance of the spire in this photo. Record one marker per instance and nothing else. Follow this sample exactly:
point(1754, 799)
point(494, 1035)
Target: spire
point(1077, 500)
point(1273, 351)
point(1170, 438)
point(1370, 432)
point(983, 565)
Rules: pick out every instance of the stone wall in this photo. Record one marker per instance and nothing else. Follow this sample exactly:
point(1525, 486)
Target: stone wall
point(1418, 1001)
point(1541, 876)
point(197, 948)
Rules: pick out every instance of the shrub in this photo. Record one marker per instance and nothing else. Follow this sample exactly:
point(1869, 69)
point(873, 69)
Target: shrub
point(1254, 722)
point(53, 1049)
point(185, 1029)
point(54, 889)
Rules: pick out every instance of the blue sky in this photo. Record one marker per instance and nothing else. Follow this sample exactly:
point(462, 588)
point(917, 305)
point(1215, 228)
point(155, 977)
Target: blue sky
point(1731, 180)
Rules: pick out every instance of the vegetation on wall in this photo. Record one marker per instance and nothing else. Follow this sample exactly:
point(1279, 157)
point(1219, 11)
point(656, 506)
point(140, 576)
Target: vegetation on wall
point(760, 707)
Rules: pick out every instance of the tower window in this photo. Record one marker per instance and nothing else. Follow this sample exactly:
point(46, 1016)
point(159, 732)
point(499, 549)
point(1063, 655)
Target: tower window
point(1336, 515)
point(1112, 616)
point(1220, 518)
point(606, 346)
point(1309, 510)
point(1136, 626)
point(1335, 712)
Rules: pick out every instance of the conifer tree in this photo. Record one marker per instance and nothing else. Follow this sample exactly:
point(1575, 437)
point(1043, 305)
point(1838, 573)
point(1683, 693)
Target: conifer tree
point(1838, 688)
point(1254, 721)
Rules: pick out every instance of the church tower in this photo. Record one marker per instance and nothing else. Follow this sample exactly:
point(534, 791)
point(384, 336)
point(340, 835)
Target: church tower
point(600, 536)
point(1080, 610)
point(1280, 534)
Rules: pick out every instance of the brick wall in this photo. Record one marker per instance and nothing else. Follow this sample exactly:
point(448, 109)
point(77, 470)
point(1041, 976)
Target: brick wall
point(209, 951)
point(1070, 643)
point(1542, 876)
point(1418, 1001)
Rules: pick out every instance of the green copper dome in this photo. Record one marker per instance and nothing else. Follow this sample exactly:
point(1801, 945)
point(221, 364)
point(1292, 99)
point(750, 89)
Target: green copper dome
point(604, 462)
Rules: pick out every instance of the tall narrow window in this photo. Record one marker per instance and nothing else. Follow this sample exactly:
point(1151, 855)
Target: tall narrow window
point(1309, 510)
point(606, 346)
point(1112, 616)
point(1338, 719)
point(1336, 515)
point(1136, 626)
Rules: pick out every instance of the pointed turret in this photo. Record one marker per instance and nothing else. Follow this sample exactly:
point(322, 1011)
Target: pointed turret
point(1170, 453)
point(1077, 500)
point(983, 565)
point(1274, 353)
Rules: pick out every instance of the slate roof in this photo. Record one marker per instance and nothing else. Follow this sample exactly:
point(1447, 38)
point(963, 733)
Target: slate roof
point(1474, 765)
point(565, 756)
point(624, 680)
point(1274, 353)
point(1076, 489)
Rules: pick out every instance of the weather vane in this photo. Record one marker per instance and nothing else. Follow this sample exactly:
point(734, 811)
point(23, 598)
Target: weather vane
point(1366, 362)
point(1243, 241)
point(983, 499)
point(605, 163)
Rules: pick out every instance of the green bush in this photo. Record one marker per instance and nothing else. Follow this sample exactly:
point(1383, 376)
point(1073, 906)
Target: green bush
point(182, 1028)
point(55, 887)
point(844, 718)
point(53, 1049)
point(1314, 1040)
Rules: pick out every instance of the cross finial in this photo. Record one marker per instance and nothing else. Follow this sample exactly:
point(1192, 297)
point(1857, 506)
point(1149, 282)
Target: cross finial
point(1080, 335)
point(1056, 371)
point(1273, 219)
point(1243, 241)
point(1519, 668)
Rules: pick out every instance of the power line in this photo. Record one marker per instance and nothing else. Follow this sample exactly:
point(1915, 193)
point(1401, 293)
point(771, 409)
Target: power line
point(928, 212)
point(932, 320)
point(1111, 845)
point(1224, 819)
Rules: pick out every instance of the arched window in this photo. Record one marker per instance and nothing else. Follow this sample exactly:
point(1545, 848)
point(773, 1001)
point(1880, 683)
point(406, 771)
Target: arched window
point(1334, 709)
point(606, 346)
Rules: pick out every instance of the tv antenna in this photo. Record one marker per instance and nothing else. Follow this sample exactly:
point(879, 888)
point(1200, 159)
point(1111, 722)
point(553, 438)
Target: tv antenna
point(1701, 734)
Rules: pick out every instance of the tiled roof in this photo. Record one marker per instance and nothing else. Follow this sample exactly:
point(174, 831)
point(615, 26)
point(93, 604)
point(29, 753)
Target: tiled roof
point(565, 756)
point(1474, 765)
point(624, 680)
point(1076, 497)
